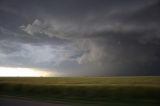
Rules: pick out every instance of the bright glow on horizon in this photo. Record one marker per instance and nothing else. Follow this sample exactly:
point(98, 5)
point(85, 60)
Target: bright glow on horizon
point(23, 72)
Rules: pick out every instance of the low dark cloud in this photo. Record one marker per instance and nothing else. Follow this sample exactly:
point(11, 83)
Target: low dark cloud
point(79, 37)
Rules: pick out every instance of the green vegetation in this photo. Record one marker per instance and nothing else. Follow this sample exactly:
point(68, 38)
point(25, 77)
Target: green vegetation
point(88, 89)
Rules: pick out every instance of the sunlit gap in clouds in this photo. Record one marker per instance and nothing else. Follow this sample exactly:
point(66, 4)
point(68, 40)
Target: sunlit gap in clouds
point(24, 72)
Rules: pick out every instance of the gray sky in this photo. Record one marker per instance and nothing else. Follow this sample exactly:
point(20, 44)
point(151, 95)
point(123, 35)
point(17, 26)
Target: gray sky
point(81, 37)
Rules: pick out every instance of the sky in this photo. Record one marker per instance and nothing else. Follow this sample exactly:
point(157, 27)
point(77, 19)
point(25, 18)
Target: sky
point(81, 37)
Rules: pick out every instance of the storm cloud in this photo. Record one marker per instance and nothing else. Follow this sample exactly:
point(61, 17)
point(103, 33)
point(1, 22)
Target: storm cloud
point(81, 37)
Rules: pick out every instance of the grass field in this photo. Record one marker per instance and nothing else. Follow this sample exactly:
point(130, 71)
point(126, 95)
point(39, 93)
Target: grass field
point(86, 89)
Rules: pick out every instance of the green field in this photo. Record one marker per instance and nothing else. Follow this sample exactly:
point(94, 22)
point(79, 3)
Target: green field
point(141, 90)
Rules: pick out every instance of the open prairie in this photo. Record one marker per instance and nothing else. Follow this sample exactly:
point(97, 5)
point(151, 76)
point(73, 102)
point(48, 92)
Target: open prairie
point(145, 90)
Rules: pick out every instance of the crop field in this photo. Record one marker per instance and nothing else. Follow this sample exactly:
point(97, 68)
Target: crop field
point(86, 89)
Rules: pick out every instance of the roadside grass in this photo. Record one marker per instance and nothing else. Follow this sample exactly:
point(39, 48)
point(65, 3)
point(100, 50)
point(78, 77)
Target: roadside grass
point(143, 90)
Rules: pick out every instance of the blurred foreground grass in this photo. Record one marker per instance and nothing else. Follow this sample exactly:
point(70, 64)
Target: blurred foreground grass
point(94, 89)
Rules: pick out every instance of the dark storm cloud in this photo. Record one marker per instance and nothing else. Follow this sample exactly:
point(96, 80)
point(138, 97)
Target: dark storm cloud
point(93, 37)
point(148, 14)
